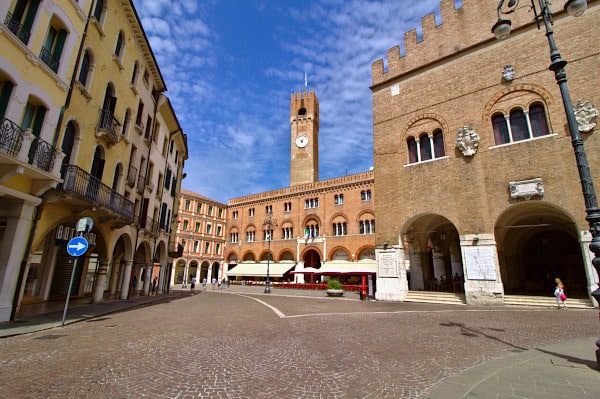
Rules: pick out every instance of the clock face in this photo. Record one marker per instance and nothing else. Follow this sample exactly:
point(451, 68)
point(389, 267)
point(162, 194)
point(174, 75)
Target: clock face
point(302, 141)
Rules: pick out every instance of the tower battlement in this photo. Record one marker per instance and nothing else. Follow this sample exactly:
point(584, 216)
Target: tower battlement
point(460, 29)
point(304, 104)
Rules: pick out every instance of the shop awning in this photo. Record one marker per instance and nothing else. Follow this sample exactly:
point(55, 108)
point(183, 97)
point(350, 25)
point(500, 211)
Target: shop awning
point(259, 269)
point(307, 270)
point(365, 266)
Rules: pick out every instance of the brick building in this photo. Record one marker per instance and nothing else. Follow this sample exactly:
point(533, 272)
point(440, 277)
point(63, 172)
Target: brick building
point(326, 225)
point(474, 167)
point(201, 234)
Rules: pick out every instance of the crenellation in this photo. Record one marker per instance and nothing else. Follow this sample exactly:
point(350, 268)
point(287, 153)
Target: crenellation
point(428, 24)
point(459, 29)
point(410, 41)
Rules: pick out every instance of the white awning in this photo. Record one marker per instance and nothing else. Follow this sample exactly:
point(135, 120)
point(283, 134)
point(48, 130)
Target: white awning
point(365, 266)
point(259, 269)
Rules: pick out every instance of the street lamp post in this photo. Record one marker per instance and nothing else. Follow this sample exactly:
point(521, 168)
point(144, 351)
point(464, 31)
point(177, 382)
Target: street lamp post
point(270, 222)
point(501, 30)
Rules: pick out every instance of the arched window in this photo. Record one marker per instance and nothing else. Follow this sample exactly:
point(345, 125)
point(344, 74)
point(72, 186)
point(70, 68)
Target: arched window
point(135, 73)
point(425, 147)
point(120, 45)
point(86, 63)
point(438, 143)
point(412, 150)
point(99, 10)
point(126, 121)
point(537, 117)
point(5, 93)
point(518, 125)
point(68, 142)
point(340, 229)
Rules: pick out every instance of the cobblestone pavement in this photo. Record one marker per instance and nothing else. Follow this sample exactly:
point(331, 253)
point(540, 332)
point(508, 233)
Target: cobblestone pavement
point(227, 344)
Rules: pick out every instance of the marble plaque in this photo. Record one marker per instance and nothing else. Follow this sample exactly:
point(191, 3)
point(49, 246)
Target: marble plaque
point(386, 264)
point(480, 263)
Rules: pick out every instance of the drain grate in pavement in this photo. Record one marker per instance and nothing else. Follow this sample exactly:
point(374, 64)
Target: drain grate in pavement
point(52, 336)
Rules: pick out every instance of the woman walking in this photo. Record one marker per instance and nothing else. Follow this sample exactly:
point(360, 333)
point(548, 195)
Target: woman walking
point(559, 294)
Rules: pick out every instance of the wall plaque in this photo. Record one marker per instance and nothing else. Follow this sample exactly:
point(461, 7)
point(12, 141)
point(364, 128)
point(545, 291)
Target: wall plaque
point(480, 263)
point(387, 264)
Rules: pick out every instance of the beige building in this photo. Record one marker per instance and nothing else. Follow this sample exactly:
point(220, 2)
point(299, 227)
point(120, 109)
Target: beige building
point(39, 43)
point(474, 168)
point(312, 228)
point(123, 154)
point(201, 226)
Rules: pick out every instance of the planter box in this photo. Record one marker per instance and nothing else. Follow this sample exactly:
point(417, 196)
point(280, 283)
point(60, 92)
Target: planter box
point(331, 292)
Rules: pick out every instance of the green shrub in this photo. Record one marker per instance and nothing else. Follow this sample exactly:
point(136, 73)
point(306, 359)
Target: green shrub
point(334, 284)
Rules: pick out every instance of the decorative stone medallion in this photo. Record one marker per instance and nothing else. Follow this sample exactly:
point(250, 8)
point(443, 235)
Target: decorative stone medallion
point(586, 115)
point(467, 141)
point(508, 73)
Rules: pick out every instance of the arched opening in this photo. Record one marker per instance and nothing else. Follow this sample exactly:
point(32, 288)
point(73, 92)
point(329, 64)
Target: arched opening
point(432, 247)
point(538, 242)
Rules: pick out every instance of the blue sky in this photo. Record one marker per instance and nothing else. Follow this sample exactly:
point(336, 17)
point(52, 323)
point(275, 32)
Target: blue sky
point(231, 66)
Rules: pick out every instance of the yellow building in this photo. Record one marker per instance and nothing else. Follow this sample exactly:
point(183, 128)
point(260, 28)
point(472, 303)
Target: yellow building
point(123, 158)
point(39, 45)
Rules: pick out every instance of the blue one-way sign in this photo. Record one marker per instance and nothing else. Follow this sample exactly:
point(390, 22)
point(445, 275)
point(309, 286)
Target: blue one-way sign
point(77, 246)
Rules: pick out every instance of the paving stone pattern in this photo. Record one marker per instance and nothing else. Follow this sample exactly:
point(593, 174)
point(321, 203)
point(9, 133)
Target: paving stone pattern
point(231, 345)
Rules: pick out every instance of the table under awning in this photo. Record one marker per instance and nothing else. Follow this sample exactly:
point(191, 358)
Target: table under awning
point(259, 269)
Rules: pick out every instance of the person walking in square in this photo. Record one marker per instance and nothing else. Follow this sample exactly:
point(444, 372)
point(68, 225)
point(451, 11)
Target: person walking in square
point(559, 294)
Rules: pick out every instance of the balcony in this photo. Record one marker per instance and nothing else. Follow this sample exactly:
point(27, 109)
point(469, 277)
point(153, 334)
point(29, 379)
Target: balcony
point(176, 251)
point(92, 193)
point(17, 28)
point(22, 153)
point(108, 126)
point(49, 59)
point(131, 175)
point(148, 226)
point(141, 184)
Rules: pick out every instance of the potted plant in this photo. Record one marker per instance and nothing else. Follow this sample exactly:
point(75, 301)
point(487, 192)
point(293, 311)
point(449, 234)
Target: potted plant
point(334, 287)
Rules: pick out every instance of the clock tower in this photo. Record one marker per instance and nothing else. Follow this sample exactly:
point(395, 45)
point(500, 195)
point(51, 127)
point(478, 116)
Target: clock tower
point(304, 122)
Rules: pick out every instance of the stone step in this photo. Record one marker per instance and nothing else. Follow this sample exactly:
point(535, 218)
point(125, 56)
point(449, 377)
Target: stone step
point(435, 297)
point(512, 300)
point(544, 301)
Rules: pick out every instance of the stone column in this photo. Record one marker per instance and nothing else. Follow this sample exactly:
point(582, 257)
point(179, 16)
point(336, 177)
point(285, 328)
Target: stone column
point(126, 278)
point(483, 282)
point(392, 284)
point(19, 217)
point(147, 277)
point(101, 276)
point(439, 268)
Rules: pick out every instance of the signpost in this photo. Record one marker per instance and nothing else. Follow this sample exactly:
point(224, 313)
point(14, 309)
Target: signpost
point(76, 247)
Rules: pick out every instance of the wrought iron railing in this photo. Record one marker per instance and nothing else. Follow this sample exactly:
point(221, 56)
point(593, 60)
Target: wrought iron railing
point(11, 137)
point(42, 155)
point(49, 59)
point(109, 123)
point(78, 181)
point(17, 28)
